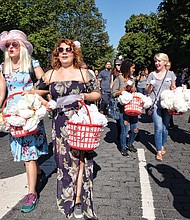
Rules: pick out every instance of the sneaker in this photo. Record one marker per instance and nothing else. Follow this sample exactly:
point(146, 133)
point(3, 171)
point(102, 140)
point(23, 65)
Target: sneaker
point(131, 148)
point(78, 211)
point(171, 127)
point(30, 202)
point(124, 153)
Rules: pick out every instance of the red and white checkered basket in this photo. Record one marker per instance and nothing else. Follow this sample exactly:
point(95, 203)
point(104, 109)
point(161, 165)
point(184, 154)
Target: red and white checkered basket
point(134, 107)
point(84, 136)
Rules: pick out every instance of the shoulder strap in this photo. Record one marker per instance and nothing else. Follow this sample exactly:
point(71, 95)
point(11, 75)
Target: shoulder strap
point(32, 74)
point(82, 76)
point(156, 95)
point(51, 75)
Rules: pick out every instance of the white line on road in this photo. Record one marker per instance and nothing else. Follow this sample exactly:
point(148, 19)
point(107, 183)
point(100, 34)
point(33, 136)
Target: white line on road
point(12, 190)
point(146, 192)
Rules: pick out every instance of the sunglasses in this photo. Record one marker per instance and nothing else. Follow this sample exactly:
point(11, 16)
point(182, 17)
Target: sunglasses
point(117, 64)
point(14, 44)
point(67, 50)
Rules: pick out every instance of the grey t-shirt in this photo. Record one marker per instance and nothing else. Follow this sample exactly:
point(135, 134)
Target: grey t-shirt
point(142, 82)
point(105, 77)
point(169, 79)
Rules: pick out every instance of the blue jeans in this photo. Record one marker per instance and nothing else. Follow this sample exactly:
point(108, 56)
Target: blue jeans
point(161, 119)
point(128, 122)
point(141, 90)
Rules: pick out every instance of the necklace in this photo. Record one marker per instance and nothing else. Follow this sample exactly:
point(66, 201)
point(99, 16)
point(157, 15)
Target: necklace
point(16, 70)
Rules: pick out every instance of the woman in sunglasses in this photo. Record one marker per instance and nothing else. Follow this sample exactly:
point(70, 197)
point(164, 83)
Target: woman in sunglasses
point(74, 167)
point(14, 75)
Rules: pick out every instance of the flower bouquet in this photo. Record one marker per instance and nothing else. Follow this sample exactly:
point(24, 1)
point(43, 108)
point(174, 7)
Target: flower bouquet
point(176, 101)
point(85, 127)
point(23, 116)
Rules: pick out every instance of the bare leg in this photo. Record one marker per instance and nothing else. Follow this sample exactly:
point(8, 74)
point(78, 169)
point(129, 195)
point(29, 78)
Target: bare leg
point(79, 180)
point(31, 171)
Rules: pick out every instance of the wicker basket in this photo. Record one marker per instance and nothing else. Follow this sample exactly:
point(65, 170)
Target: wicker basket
point(134, 107)
point(14, 130)
point(84, 136)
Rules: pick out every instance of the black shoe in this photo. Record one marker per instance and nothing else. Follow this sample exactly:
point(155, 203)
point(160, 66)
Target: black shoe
point(171, 127)
point(131, 148)
point(124, 153)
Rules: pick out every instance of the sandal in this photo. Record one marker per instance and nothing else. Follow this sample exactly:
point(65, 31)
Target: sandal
point(159, 156)
point(163, 151)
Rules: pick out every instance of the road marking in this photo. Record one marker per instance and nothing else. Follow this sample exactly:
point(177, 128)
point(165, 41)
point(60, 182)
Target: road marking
point(146, 192)
point(12, 190)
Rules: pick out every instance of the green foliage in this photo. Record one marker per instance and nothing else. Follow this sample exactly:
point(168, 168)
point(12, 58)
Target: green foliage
point(174, 18)
point(140, 42)
point(46, 21)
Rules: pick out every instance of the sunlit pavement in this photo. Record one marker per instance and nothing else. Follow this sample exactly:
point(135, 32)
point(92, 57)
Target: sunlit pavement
point(123, 189)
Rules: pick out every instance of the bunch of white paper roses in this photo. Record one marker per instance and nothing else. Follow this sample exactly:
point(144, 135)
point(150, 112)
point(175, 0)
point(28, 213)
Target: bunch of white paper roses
point(26, 113)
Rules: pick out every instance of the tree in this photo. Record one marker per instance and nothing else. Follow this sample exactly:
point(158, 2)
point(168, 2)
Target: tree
point(140, 42)
point(174, 18)
point(46, 21)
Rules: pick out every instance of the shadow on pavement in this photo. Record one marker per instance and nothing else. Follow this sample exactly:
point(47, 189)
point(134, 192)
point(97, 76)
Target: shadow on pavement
point(176, 183)
point(96, 168)
point(180, 136)
point(147, 139)
point(3, 134)
point(112, 134)
point(144, 118)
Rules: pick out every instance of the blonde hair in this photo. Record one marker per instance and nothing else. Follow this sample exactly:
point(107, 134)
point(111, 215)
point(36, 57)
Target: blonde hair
point(168, 63)
point(25, 60)
point(161, 56)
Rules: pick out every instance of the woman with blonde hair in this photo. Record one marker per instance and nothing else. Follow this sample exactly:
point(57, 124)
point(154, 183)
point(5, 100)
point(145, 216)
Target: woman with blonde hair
point(159, 80)
point(15, 75)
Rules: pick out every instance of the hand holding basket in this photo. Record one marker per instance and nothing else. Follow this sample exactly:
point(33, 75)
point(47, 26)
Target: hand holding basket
point(84, 136)
point(19, 128)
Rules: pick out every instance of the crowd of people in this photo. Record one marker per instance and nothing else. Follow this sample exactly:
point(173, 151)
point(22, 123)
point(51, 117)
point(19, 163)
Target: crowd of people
point(69, 75)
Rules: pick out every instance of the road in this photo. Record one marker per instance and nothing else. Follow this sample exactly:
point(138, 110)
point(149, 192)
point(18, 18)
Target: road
point(123, 189)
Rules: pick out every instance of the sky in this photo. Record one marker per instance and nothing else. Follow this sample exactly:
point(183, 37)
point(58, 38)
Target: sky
point(116, 12)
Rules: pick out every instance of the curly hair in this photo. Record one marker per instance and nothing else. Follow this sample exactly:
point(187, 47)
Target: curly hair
point(77, 61)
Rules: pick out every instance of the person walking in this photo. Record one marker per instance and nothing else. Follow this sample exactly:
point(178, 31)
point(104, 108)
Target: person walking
point(115, 73)
point(124, 82)
point(159, 80)
point(74, 167)
point(105, 86)
point(15, 77)
point(141, 81)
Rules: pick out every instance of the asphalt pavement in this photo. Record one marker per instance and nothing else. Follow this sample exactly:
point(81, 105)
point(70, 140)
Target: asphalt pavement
point(118, 180)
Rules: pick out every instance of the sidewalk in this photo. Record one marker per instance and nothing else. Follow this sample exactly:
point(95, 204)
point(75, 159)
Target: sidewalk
point(117, 183)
